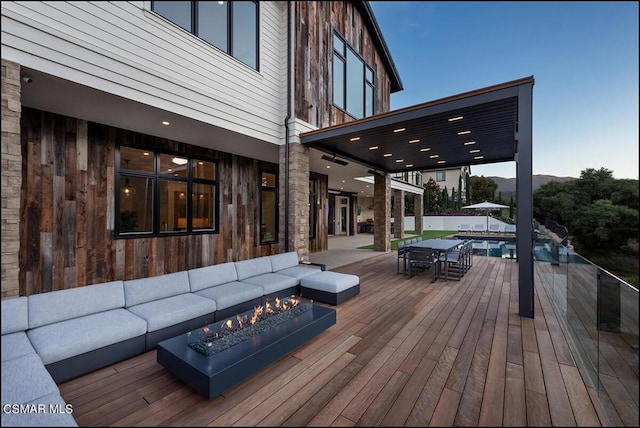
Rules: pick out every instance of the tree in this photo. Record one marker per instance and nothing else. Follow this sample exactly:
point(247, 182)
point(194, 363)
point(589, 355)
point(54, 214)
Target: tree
point(431, 196)
point(482, 189)
point(445, 199)
point(605, 226)
point(511, 205)
point(467, 189)
point(459, 205)
point(454, 201)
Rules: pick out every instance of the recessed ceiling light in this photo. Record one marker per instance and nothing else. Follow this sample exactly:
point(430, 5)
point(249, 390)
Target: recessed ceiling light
point(354, 138)
point(145, 154)
point(469, 143)
point(328, 166)
point(414, 141)
point(169, 170)
point(478, 157)
point(474, 151)
point(399, 160)
point(425, 149)
point(386, 155)
point(453, 119)
point(179, 161)
point(165, 123)
point(399, 129)
point(343, 181)
point(373, 148)
point(434, 156)
point(409, 165)
point(441, 161)
point(464, 132)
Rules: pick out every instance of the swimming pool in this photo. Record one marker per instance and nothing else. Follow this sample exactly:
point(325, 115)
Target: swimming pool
point(494, 248)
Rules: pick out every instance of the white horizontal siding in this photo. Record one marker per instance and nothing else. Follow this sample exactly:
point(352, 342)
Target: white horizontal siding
point(127, 50)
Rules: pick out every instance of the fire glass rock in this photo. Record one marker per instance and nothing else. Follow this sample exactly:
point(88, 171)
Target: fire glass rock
point(209, 342)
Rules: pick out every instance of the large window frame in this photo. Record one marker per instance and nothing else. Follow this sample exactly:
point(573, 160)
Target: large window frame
point(155, 178)
point(230, 48)
point(353, 91)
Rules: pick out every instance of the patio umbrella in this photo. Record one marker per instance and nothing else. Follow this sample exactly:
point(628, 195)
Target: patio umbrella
point(486, 206)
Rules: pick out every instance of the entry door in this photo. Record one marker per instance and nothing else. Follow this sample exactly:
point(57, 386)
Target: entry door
point(342, 216)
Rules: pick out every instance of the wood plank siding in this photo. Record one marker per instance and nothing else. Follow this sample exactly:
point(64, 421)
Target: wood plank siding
point(68, 209)
point(315, 24)
point(404, 352)
point(320, 239)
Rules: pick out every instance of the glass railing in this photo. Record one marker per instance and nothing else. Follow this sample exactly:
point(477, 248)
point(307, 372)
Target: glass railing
point(599, 315)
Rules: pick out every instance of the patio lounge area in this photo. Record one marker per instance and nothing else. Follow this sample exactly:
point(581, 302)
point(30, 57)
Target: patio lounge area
point(403, 352)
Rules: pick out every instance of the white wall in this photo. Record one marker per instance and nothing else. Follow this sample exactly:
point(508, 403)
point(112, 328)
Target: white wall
point(444, 222)
point(125, 49)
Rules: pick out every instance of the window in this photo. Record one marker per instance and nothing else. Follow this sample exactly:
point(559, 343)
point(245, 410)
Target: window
point(441, 176)
point(353, 81)
point(153, 194)
point(268, 208)
point(231, 26)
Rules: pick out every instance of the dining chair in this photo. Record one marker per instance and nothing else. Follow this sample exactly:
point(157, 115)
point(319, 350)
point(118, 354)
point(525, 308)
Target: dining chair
point(402, 251)
point(453, 262)
point(420, 259)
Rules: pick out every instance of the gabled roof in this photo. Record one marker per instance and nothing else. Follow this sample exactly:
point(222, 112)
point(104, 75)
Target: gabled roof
point(370, 20)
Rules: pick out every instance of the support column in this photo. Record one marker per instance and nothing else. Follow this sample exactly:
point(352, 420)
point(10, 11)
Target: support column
point(11, 156)
point(398, 213)
point(298, 218)
point(418, 209)
point(382, 212)
point(524, 194)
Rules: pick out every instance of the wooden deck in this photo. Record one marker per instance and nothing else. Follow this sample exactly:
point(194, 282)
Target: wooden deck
point(403, 352)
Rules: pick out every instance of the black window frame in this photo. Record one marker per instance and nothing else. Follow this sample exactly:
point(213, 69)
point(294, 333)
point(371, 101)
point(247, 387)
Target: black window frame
point(274, 190)
point(367, 83)
point(229, 49)
point(156, 177)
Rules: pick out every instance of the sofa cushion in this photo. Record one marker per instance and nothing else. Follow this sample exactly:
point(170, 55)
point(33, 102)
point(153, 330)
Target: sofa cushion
point(331, 282)
point(283, 261)
point(14, 315)
point(299, 272)
point(173, 310)
point(210, 276)
point(25, 379)
point(53, 413)
point(61, 305)
point(253, 267)
point(16, 345)
point(272, 282)
point(145, 290)
point(231, 294)
point(66, 339)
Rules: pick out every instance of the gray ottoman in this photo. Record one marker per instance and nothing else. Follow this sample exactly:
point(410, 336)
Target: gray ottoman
point(330, 287)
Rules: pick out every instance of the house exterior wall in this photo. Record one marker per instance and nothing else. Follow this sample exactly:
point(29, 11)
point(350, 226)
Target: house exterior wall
point(11, 173)
point(124, 48)
point(315, 24)
point(451, 178)
point(67, 236)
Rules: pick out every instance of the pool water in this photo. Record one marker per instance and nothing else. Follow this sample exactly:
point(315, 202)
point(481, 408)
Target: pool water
point(494, 248)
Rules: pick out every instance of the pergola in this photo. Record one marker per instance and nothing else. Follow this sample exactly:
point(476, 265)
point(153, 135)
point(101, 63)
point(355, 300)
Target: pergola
point(488, 125)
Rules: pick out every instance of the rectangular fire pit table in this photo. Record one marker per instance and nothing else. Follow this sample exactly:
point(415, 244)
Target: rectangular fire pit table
point(212, 375)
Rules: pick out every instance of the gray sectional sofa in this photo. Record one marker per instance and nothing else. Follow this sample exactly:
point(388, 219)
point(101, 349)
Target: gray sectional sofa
point(53, 337)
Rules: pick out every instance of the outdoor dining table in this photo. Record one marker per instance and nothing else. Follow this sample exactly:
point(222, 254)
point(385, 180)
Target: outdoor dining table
point(440, 245)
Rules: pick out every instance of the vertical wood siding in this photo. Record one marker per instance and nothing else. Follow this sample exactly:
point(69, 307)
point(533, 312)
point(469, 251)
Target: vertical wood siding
point(315, 24)
point(321, 240)
point(66, 238)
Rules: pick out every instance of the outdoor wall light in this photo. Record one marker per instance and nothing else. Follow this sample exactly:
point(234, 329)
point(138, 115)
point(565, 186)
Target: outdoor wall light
point(334, 160)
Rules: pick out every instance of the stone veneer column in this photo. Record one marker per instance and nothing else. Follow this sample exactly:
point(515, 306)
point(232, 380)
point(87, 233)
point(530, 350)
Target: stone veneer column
point(298, 219)
point(382, 212)
point(11, 174)
point(418, 209)
point(398, 213)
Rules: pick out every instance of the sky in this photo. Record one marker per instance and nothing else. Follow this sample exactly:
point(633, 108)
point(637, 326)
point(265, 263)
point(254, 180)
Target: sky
point(583, 57)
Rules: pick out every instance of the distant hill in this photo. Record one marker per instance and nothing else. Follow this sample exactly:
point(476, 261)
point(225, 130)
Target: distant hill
point(508, 185)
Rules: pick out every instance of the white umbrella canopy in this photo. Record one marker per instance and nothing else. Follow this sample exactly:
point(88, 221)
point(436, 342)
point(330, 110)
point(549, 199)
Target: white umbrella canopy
point(486, 206)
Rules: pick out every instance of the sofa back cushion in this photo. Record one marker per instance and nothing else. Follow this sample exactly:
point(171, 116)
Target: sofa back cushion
point(144, 290)
point(210, 276)
point(252, 267)
point(14, 315)
point(284, 260)
point(61, 305)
